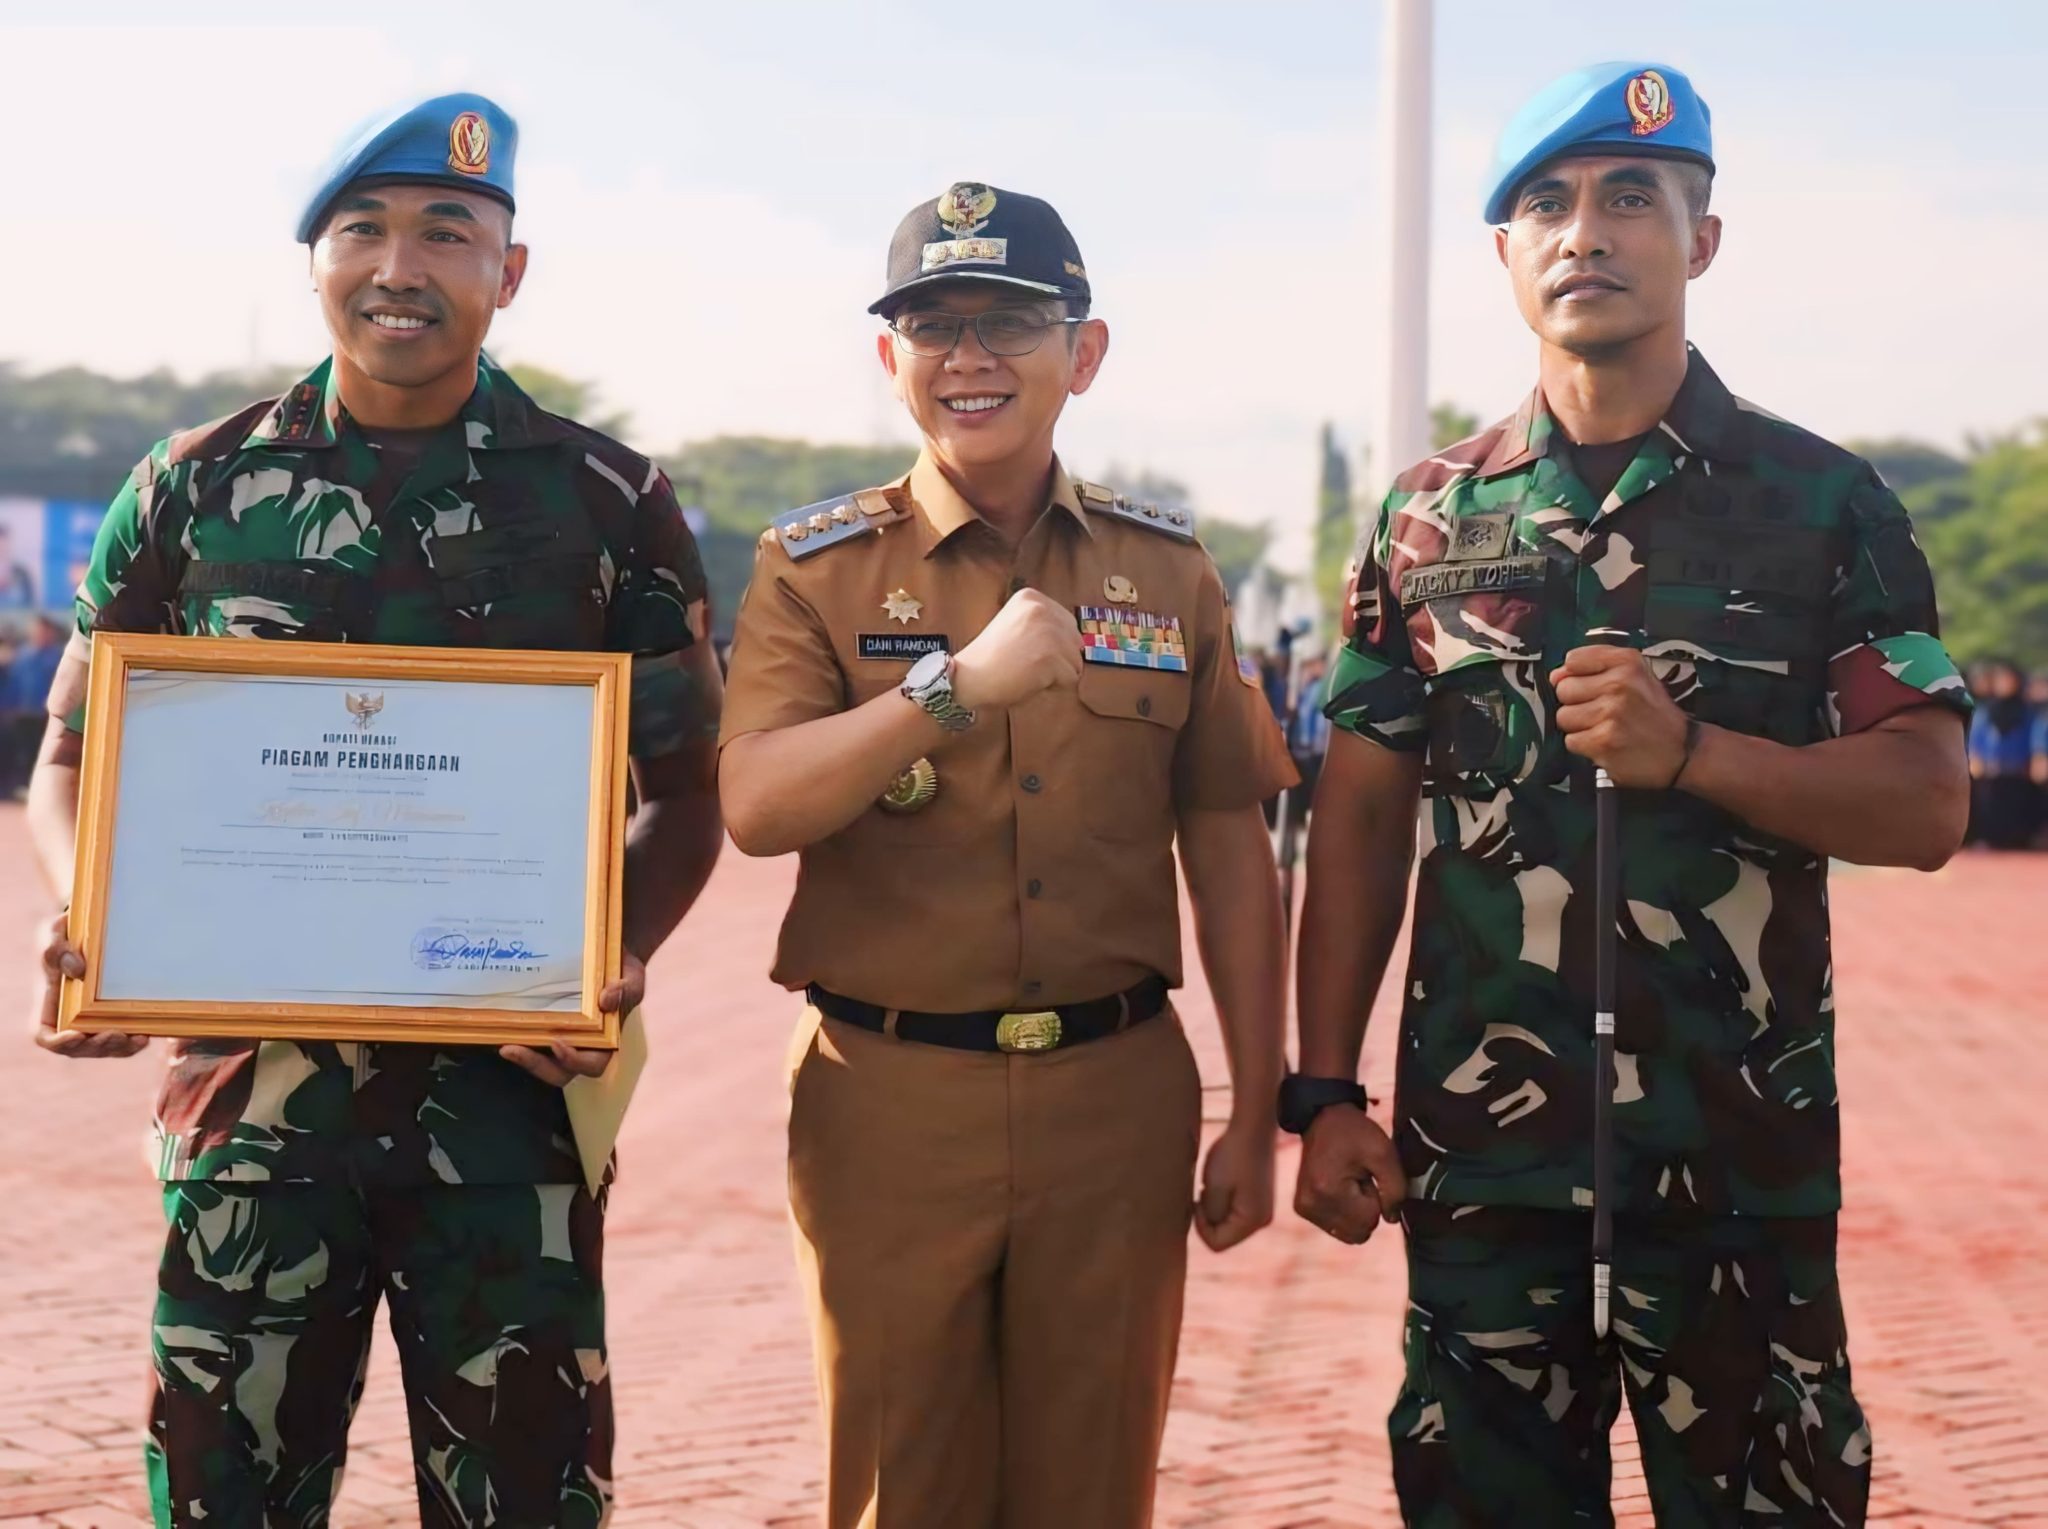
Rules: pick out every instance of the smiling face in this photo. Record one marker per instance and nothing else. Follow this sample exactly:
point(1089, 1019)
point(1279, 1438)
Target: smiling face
point(1600, 249)
point(975, 409)
point(409, 278)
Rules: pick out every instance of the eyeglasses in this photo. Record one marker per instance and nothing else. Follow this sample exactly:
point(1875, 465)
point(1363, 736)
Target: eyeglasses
point(1002, 331)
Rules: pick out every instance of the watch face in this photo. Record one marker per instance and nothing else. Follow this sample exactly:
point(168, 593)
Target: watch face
point(927, 669)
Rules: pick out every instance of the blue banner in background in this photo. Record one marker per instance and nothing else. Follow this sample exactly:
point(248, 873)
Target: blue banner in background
point(45, 546)
point(69, 527)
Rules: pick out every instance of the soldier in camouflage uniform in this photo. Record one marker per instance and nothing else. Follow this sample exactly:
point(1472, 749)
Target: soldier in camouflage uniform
point(1731, 616)
point(406, 492)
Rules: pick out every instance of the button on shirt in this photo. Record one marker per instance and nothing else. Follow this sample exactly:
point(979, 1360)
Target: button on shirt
point(1043, 869)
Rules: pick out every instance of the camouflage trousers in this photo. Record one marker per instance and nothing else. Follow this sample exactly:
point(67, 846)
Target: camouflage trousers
point(266, 1298)
point(1727, 1335)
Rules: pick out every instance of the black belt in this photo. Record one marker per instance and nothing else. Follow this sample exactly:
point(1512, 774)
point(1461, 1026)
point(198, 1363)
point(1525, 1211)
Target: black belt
point(1069, 1024)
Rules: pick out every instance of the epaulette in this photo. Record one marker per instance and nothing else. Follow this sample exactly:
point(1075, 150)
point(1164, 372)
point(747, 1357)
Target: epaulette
point(825, 524)
point(1175, 522)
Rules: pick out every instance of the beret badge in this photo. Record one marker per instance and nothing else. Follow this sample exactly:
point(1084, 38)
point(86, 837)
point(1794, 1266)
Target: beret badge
point(1649, 103)
point(469, 144)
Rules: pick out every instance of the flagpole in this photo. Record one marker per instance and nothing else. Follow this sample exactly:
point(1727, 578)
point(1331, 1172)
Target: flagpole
point(1405, 79)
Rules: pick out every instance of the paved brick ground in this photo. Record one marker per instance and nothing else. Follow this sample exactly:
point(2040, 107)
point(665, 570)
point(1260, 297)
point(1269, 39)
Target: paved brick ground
point(1289, 1359)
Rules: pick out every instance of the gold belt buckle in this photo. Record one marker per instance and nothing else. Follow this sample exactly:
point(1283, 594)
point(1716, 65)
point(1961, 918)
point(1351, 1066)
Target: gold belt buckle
point(1038, 1030)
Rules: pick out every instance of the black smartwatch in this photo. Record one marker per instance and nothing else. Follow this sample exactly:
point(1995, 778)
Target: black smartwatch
point(1302, 1099)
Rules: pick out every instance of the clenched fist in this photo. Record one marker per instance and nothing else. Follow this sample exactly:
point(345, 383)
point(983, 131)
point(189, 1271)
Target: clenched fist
point(1613, 711)
point(1350, 1177)
point(1032, 645)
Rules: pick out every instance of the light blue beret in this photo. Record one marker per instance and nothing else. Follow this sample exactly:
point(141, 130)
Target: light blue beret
point(1619, 108)
point(460, 140)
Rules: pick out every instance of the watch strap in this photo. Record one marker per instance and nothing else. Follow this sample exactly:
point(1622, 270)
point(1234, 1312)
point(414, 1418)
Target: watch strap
point(935, 696)
point(1304, 1098)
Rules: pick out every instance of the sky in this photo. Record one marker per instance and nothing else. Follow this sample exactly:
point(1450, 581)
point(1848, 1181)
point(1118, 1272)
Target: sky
point(708, 192)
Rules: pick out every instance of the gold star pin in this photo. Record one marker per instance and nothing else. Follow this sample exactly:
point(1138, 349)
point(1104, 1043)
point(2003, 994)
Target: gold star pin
point(903, 607)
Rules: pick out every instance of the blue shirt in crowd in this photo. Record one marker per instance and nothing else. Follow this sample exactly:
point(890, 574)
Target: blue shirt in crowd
point(1996, 750)
point(1308, 733)
point(27, 684)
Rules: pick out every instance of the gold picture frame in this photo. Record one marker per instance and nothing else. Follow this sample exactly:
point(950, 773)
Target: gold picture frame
point(117, 656)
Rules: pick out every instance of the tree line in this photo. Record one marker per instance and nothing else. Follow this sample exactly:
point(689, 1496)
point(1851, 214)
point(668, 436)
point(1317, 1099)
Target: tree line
point(1981, 514)
point(74, 434)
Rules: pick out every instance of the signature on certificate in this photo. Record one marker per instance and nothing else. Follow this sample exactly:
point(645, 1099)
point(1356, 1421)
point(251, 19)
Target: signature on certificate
point(439, 949)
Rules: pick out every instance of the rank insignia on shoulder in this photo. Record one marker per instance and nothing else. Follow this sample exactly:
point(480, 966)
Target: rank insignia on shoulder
point(818, 526)
point(1170, 521)
point(1132, 639)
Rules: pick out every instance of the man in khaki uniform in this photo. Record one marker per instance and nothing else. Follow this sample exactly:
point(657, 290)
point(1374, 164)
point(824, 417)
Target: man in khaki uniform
point(983, 702)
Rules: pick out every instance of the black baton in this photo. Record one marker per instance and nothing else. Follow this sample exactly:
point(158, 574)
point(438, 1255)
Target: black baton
point(1606, 910)
point(1606, 901)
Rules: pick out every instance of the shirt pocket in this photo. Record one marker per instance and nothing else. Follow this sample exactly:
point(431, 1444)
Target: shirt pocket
point(1481, 656)
point(1736, 613)
point(523, 585)
point(1751, 662)
point(1131, 721)
point(270, 598)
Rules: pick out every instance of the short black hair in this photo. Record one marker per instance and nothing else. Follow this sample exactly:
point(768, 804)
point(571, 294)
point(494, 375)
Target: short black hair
point(1697, 181)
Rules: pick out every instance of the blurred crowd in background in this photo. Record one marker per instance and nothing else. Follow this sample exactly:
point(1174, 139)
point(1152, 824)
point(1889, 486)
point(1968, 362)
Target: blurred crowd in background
point(1291, 673)
point(2009, 756)
point(28, 661)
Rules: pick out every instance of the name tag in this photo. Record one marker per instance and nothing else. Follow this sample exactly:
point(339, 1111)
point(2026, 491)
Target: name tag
point(905, 647)
point(1442, 579)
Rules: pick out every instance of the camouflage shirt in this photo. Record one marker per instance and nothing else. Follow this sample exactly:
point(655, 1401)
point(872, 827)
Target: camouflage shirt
point(509, 528)
point(1776, 588)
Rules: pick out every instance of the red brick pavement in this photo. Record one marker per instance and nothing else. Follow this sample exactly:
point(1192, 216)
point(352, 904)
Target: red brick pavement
point(1289, 1360)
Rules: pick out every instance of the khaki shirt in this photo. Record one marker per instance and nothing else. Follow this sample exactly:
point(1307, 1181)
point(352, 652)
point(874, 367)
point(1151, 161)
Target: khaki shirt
point(1042, 872)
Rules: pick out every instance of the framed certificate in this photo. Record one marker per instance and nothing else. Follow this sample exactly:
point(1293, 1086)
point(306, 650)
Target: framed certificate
point(342, 842)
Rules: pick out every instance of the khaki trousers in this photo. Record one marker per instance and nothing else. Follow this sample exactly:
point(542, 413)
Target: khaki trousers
point(993, 1248)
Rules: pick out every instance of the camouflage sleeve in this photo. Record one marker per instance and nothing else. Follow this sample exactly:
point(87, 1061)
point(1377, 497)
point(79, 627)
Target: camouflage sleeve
point(1230, 752)
point(1883, 634)
point(657, 614)
point(1375, 689)
point(126, 587)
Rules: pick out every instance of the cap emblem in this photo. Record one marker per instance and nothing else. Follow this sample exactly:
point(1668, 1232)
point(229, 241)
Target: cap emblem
point(1649, 103)
point(469, 145)
point(965, 208)
point(966, 252)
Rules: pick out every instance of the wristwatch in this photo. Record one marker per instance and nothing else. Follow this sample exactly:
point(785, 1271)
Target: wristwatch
point(1302, 1099)
point(930, 684)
